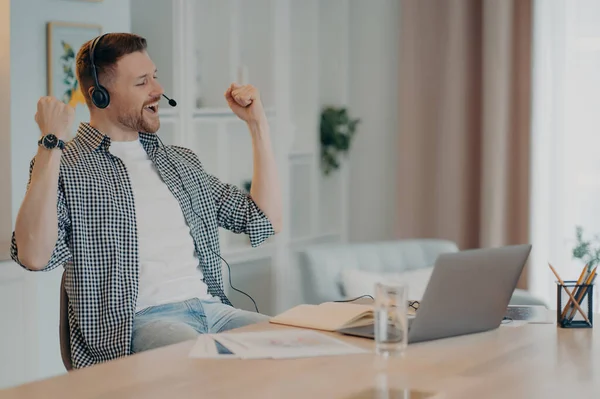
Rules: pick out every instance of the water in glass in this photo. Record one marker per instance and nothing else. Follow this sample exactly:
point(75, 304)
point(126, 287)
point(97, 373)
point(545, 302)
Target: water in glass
point(391, 320)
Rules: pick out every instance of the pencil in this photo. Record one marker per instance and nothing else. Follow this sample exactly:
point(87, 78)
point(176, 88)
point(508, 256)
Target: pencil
point(569, 304)
point(560, 280)
point(583, 291)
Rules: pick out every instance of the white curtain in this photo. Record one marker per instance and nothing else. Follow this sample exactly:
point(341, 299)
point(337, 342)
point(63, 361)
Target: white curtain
point(565, 158)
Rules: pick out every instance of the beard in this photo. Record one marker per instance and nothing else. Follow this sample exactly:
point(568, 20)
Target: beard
point(140, 120)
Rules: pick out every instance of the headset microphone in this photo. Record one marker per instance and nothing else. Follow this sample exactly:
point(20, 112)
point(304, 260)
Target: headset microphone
point(172, 102)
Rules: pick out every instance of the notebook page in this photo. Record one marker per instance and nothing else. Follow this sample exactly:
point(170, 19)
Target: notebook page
point(328, 316)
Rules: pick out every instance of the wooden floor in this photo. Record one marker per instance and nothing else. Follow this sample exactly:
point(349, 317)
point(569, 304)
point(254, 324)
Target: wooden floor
point(529, 362)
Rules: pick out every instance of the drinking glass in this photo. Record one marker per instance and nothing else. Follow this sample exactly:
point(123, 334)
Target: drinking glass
point(391, 318)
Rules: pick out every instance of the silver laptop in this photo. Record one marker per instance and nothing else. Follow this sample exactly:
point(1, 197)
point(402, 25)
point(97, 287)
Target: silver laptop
point(468, 292)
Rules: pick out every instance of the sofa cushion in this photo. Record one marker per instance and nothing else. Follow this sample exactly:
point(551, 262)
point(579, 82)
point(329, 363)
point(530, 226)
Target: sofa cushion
point(357, 283)
point(322, 265)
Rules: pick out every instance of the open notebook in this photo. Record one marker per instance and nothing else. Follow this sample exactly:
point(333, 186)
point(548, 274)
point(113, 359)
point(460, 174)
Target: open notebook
point(327, 316)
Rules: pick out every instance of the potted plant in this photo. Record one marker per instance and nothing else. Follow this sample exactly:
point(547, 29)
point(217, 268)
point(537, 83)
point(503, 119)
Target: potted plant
point(337, 131)
point(247, 185)
point(587, 251)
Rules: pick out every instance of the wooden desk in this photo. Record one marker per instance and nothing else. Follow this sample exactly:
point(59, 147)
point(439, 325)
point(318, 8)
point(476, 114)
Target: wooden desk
point(531, 361)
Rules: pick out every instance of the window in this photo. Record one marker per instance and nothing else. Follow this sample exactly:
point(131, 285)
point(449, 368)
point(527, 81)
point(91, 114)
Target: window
point(565, 189)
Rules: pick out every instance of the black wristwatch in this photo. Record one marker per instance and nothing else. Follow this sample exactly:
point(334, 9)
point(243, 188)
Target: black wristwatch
point(50, 141)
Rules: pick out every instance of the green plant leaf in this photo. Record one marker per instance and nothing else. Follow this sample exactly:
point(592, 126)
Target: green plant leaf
point(586, 250)
point(67, 96)
point(336, 132)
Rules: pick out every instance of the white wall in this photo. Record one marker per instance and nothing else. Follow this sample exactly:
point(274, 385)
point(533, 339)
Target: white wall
point(5, 202)
point(39, 319)
point(373, 92)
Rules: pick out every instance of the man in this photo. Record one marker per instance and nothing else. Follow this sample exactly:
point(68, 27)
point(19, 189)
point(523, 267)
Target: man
point(136, 223)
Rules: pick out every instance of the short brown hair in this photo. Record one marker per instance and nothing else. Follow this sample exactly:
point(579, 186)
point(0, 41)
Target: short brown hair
point(108, 51)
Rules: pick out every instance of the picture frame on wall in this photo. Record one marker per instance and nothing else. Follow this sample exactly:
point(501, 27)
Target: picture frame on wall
point(64, 39)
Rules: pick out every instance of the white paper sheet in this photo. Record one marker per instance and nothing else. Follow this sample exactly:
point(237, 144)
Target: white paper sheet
point(270, 345)
point(285, 344)
point(206, 348)
point(514, 323)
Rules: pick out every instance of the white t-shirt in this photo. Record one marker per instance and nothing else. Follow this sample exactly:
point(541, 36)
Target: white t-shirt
point(169, 267)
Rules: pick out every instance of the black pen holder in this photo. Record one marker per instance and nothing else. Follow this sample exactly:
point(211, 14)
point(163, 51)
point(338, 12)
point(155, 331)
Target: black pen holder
point(568, 315)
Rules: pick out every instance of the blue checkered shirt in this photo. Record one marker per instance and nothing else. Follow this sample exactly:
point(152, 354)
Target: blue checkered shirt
point(97, 235)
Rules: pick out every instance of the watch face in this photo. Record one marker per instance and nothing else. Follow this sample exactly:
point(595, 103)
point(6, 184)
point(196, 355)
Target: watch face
point(50, 141)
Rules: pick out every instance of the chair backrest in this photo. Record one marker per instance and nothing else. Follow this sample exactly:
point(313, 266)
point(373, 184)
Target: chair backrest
point(323, 264)
point(63, 326)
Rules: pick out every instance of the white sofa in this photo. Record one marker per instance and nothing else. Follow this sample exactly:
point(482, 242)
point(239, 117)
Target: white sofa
point(342, 271)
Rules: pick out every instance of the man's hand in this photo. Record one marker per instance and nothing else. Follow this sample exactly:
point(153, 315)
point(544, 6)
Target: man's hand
point(54, 116)
point(245, 102)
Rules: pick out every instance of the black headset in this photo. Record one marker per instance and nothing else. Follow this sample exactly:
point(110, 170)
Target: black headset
point(100, 96)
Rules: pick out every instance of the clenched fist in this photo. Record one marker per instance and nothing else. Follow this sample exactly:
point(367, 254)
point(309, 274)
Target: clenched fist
point(54, 116)
point(245, 102)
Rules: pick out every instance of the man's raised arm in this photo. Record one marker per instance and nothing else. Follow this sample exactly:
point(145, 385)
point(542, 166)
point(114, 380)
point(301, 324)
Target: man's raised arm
point(37, 228)
point(245, 102)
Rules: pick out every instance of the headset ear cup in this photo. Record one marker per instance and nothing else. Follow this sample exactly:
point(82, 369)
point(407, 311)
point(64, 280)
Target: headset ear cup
point(100, 97)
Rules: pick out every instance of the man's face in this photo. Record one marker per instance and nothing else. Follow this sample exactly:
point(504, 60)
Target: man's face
point(135, 93)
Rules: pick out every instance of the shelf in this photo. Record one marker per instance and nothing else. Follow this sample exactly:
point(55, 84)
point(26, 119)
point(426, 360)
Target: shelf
point(233, 256)
point(204, 142)
point(296, 54)
point(223, 112)
point(300, 243)
point(239, 153)
point(168, 132)
point(330, 198)
point(301, 197)
point(256, 44)
point(304, 65)
point(255, 278)
point(239, 243)
point(167, 112)
point(333, 57)
point(153, 19)
point(213, 111)
point(301, 156)
point(212, 54)
point(233, 41)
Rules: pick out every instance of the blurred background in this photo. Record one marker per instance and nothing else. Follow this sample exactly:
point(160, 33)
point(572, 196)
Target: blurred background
point(399, 126)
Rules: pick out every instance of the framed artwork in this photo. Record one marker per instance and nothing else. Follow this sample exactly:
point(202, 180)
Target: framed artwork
point(64, 41)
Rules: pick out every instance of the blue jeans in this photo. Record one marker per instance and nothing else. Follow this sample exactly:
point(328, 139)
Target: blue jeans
point(171, 323)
